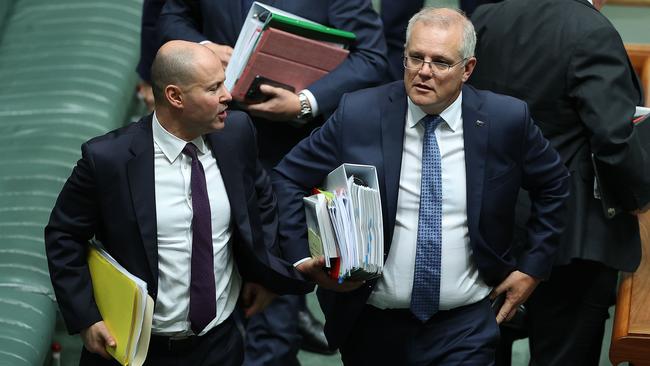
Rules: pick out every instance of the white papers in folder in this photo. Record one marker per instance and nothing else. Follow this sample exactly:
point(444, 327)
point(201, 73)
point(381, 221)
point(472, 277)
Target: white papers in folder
point(320, 233)
point(352, 232)
point(641, 111)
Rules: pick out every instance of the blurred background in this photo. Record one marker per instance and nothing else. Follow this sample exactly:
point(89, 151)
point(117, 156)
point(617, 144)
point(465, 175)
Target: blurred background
point(68, 74)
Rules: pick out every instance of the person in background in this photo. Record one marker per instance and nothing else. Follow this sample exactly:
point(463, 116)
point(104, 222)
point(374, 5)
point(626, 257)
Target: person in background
point(395, 16)
point(181, 201)
point(274, 337)
point(450, 160)
point(149, 44)
point(566, 60)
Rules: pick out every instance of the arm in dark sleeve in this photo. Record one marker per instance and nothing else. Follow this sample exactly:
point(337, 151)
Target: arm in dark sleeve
point(366, 64)
point(180, 19)
point(72, 223)
point(266, 201)
point(395, 16)
point(304, 168)
point(606, 91)
point(149, 41)
point(547, 181)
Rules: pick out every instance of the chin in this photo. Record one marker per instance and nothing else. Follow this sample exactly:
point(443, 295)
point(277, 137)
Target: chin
point(423, 100)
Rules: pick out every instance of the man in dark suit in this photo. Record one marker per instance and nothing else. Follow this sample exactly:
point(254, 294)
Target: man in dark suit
point(567, 61)
point(219, 22)
point(149, 44)
point(283, 120)
point(180, 200)
point(450, 161)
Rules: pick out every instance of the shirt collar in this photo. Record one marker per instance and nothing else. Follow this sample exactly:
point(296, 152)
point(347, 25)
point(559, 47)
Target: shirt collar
point(171, 145)
point(451, 114)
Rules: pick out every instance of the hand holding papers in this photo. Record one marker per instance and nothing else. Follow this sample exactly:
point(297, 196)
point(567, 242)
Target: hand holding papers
point(125, 306)
point(285, 50)
point(345, 223)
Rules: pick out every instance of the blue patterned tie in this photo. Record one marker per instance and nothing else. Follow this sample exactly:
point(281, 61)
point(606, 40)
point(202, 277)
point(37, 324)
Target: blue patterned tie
point(203, 307)
point(425, 295)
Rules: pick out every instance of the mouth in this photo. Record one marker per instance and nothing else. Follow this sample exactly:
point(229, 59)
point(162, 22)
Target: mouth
point(223, 114)
point(423, 87)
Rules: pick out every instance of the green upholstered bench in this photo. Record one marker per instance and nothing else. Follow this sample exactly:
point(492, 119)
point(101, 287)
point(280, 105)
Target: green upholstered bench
point(67, 70)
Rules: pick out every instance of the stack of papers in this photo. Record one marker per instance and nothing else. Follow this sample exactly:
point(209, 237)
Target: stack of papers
point(125, 306)
point(345, 224)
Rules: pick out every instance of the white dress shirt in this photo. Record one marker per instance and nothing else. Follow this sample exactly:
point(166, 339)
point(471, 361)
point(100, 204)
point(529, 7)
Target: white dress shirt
point(459, 283)
point(174, 223)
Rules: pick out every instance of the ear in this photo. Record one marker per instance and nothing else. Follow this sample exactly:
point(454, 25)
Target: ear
point(469, 68)
point(174, 96)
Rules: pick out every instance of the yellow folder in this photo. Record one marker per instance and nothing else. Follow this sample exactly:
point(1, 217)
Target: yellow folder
point(125, 306)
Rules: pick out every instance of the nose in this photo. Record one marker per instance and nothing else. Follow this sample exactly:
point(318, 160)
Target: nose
point(227, 97)
point(428, 72)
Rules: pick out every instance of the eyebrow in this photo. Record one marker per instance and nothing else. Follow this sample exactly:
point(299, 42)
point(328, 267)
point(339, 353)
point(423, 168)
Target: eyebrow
point(437, 58)
point(215, 84)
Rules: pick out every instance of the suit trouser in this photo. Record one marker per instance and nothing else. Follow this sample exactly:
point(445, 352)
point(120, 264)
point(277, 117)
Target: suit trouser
point(221, 346)
point(467, 335)
point(567, 313)
point(272, 336)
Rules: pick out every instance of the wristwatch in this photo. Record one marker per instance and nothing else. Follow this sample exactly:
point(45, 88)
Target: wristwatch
point(305, 113)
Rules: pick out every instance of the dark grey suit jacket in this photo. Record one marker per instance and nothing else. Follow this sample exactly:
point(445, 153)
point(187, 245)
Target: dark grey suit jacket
point(567, 61)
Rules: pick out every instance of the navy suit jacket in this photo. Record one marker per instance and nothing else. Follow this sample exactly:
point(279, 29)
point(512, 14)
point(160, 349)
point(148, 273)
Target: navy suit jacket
point(149, 40)
point(504, 151)
point(221, 20)
point(110, 195)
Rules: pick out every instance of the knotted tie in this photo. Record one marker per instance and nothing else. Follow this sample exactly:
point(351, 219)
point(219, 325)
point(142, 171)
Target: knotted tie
point(203, 307)
point(425, 295)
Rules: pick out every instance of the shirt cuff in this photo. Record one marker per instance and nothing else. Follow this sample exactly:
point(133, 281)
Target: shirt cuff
point(312, 102)
point(205, 42)
point(301, 261)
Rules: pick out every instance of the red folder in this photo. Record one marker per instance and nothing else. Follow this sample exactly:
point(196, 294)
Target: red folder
point(288, 59)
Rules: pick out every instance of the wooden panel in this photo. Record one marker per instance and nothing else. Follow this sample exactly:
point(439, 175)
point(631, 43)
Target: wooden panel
point(630, 2)
point(640, 56)
point(631, 333)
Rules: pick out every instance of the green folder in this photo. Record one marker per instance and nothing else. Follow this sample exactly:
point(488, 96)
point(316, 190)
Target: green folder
point(307, 29)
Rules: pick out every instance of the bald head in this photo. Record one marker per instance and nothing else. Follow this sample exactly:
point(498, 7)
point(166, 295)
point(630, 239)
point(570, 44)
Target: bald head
point(445, 18)
point(175, 63)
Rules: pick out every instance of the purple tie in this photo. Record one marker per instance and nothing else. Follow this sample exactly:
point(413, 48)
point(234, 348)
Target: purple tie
point(203, 307)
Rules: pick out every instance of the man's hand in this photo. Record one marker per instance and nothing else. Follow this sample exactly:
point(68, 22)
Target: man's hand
point(96, 337)
point(517, 286)
point(254, 298)
point(313, 268)
point(282, 104)
point(222, 51)
point(146, 94)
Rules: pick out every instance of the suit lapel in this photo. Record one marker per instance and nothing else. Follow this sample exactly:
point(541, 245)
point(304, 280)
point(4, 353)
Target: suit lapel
point(140, 170)
point(475, 129)
point(393, 118)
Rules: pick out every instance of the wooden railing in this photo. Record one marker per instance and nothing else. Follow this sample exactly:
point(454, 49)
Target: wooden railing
point(631, 333)
point(640, 56)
